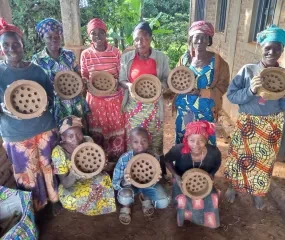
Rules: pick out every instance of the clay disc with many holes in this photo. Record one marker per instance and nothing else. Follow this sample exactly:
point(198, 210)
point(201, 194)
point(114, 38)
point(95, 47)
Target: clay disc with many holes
point(196, 183)
point(68, 84)
point(146, 88)
point(144, 170)
point(88, 159)
point(25, 99)
point(273, 86)
point(101, 83)
point(181, 80)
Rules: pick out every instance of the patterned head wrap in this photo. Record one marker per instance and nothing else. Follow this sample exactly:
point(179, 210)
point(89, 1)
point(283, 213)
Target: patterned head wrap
point(5, 27)
point(201, 27)
point(70, 122)
point(48, 24)
point(144, 26)
point(96, 23)
point(271, 34)
point(201, 127)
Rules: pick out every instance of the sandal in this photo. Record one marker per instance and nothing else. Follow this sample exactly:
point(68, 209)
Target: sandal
point(147, 207)
point(125, 217)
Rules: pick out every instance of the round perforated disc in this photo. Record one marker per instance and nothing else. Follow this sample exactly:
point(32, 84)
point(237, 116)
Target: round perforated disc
point(67, 84)
point(26, 99)
point(88, 159)
point(181, 80)
point(273, 79)
point(144, 170)
point(196, 183)
point(101, 83)
point(146, 88)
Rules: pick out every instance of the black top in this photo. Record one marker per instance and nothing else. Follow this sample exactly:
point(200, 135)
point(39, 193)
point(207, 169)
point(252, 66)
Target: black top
point(183, 162)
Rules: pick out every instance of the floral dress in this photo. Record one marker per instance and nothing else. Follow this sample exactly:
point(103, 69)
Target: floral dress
point(91, 197)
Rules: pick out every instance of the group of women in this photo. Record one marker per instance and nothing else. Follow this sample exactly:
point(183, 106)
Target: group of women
point(40, 148)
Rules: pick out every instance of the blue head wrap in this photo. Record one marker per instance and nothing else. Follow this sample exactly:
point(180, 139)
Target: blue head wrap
point(271, 34)
point(48, 24)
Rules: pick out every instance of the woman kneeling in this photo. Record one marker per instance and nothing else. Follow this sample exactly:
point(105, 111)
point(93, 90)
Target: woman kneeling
point(92, 196)
point(195, 152)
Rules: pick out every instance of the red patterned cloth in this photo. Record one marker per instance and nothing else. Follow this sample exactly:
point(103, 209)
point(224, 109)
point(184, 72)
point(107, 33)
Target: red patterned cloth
point(203, 127)
point(96, 23)
point(201, 27)
point(5, 27)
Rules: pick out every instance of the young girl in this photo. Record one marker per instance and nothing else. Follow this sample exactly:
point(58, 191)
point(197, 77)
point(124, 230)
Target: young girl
point(92, 196)
point(151, 197)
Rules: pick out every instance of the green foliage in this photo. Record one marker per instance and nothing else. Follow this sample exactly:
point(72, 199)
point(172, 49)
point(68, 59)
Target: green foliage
point(26, 14)
point(168, 19)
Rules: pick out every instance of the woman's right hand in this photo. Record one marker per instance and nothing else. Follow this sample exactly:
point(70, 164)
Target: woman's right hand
point(76, 175)
point(255, 83)
point(178, 181)
point(127, 180)
point(7, 112)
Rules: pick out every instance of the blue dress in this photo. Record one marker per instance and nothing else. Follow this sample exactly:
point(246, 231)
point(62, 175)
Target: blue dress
point(192, 107)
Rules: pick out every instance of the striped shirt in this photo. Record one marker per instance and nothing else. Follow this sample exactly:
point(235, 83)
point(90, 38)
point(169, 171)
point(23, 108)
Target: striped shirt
point(92, 60)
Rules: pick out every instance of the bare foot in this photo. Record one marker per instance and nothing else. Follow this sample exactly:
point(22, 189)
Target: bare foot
point(258, 202)
point(230, 195)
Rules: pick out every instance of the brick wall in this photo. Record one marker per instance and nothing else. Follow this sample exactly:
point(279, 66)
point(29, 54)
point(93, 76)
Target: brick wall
point(244, 52)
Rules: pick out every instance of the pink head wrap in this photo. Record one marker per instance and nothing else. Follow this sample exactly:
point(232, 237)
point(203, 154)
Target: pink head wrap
point(96, 23)
point(201, 127)
point(201, 27)
point(6, 27)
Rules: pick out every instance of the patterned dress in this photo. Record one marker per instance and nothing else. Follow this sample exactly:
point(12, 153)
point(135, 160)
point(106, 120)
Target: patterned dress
point(192, 107)
point(66, 62)
point(145, 115)
point(91, 197)
point(106, 121)
point(31, 160)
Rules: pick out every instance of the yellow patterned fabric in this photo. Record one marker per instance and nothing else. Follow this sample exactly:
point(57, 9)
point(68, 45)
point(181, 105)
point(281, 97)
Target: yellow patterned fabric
point(91, 197)
point(252, 152)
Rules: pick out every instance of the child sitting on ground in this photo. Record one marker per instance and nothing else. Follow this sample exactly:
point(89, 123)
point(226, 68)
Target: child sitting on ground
point(151, 197)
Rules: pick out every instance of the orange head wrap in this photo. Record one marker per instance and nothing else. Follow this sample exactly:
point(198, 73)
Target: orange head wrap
point(6, 27)
point(96, 23)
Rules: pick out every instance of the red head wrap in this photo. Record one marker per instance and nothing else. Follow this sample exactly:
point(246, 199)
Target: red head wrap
point(96, 23)
point(201, 127)
point(201, 27)
point(5, 27)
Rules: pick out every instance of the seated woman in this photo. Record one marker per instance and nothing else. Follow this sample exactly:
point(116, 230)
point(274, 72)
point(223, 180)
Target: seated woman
point(151, 197)
point(28, 142)
point(53, 59)
point(195, 152)
point(258, 132)
point(93, 196)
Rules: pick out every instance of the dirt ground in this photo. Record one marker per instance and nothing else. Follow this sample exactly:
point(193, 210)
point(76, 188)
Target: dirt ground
point(239, 221)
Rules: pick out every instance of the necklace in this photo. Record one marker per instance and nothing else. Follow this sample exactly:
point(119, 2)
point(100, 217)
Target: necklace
point(201, 161)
